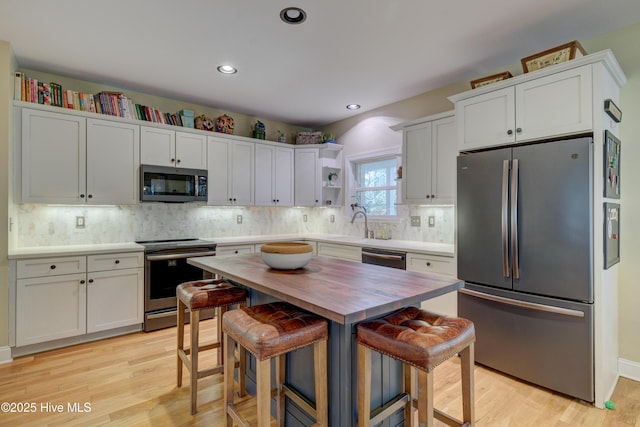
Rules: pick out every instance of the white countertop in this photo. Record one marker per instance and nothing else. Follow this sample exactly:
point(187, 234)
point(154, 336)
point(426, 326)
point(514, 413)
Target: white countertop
point(442, 249)
point(430, 248)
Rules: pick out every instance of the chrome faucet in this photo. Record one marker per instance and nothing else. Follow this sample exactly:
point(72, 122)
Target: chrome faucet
point(366, 225)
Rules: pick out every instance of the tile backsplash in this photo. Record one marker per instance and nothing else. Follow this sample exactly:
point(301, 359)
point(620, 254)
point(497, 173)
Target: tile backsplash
point(41, 225)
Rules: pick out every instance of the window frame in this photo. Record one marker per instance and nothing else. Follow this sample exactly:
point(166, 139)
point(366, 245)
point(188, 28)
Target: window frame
point(371, 156)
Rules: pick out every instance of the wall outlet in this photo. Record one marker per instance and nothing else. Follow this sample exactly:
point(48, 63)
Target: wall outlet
point(304, 218)
point(332, 218)
point(239, 219)
point(80, 222)
point(415, 221)
point(432, 221)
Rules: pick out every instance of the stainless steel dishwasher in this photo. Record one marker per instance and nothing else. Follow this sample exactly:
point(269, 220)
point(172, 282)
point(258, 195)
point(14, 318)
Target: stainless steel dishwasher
point(385, 257)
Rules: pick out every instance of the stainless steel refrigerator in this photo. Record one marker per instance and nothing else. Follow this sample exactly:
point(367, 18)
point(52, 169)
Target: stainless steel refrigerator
point(525, 252)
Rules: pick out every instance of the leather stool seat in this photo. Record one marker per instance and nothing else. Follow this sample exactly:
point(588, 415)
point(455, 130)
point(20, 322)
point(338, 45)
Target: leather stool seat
point(272, 330)
point(203, 294)
point(196, 296)
point(421, 340)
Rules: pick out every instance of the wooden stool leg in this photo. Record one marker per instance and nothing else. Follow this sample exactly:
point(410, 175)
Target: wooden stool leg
point(242, 355)
point(228, 376)
point(281, 373)
point(364, 386)
point(195, 329)
point(409, 385)
point(220, 312)
point(466, 365)
point(180, 346)
point(319, 367)
point(263, 392)
point(425, 399)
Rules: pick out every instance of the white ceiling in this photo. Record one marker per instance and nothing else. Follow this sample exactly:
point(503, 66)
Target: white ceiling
point(370, 52)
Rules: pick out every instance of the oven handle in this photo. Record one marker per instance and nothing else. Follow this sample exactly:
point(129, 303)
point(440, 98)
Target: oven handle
point(382, 256)
point(179, 256)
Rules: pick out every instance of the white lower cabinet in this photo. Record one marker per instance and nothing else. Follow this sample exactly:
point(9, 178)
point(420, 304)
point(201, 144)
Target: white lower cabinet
point(57, 298)
point(115, 291)
point(444, 304)
point(346, 252)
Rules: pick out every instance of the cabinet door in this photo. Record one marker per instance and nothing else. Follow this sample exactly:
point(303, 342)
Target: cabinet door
point(242, 173)
point(417, 158)
point(444, 152)
point(308, 179)
point(219, 163)
point(445, 304)
point(115, 299)
point(486, 120)
point(49, 308)
point(113, 160)
point(191, 150)
point(556, 105)
point(264, 177)
point(53, 157)
point(157, 146)
point(283, 176)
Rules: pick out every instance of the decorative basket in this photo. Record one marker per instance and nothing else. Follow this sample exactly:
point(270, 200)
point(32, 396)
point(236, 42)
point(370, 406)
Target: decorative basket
point(304, 138)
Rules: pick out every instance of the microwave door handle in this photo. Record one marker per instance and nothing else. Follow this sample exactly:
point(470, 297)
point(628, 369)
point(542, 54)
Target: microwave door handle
point(504, 213)
point(514, 219)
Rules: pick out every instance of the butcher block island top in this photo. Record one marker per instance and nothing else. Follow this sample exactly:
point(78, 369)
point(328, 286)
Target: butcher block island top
point(342, 291)
point(345, 293)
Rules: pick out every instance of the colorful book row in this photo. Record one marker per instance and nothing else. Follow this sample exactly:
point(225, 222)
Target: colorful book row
point(105, 102)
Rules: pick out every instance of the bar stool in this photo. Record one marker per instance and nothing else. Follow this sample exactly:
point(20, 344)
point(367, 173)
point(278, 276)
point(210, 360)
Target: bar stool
point(199, 295)
point(268, 331)
point(420, 340)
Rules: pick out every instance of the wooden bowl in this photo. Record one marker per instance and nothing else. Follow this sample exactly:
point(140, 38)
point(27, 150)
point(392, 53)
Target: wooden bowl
point(286, 255)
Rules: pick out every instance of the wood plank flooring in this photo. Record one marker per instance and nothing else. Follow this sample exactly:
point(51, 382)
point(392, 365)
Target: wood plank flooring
point(130, 381)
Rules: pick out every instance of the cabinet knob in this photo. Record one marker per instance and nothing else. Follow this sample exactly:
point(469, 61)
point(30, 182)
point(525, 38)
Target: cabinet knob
point(274, 200)
point(509, 132)
point(173, 160)
point(90, 280)
point(82, 196)
point(234, 199)
point(82, 282)
point(236, 251)
point(53, 267)
point(278, 200)
point(428, 196)
point(518, 130)
point(178, 161)
point(433, 196)
point(90, 196)
point(117, 261)
point(428, 264)
point(230, 199)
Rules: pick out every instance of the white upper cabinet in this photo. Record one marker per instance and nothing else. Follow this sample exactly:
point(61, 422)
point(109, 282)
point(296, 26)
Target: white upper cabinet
point(166, 147)
point(68, 159)
point(53, 157)
point(429, 160)
point(274, 168)
point(308, 177)
point(113, 159)
point(550, 106)
point(231, 172)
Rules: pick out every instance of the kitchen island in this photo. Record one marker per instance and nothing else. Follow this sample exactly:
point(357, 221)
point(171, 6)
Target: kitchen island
point(345, 293)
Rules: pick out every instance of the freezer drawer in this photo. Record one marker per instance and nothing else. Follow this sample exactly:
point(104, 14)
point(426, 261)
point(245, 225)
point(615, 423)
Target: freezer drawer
point(541, 340)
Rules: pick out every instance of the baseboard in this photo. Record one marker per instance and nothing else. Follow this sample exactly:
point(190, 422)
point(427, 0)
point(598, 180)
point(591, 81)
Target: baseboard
point(629, 369)
point(5, 355)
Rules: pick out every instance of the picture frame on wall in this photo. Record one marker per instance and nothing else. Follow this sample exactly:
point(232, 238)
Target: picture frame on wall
point(555, 55)
point(484, 81)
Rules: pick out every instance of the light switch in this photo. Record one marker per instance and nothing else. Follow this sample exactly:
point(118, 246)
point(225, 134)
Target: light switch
point(79, 222)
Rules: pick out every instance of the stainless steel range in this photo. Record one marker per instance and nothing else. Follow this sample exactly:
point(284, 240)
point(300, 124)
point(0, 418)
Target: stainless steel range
point(165, 267)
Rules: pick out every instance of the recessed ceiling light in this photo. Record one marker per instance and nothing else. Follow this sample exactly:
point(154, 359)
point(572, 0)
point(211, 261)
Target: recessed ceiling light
point(293, 15)
point(227, 69)
point(353, 106)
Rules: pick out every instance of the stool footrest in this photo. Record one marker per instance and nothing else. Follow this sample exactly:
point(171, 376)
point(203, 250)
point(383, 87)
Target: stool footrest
point(381, 413)
point(447, 419)
point(299, 399)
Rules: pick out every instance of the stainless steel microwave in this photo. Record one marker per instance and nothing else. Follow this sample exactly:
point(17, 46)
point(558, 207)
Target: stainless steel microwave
point(173, 185)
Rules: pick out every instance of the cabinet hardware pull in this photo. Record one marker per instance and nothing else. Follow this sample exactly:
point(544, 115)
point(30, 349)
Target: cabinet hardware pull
point(90, 196)
point(82, 196)
point(82, 282)
point(428, 264)
point(509, 132)
point(117, 261)
point(519, 130)
point(90, 280)
point(53, 267)
point(178, 161)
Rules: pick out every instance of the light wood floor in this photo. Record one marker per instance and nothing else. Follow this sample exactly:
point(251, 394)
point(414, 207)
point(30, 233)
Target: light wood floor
point(130, 381)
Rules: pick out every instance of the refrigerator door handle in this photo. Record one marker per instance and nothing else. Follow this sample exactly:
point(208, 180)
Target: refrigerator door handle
point(514, 219)
point(505, 219)
point(523, 304)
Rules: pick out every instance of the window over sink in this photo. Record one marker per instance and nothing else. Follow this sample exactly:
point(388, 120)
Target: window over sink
point(372, 181)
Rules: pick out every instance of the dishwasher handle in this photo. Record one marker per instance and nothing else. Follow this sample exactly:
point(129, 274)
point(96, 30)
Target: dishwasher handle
point(383, 256)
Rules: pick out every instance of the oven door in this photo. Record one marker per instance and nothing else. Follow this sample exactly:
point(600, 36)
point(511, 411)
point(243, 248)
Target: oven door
point(163, 273)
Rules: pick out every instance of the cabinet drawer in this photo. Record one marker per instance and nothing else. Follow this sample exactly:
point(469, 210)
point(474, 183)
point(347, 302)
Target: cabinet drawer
point(44, 267)
point(115, 261)
point(431, 264)
point(347, 252)
point(234, 250)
